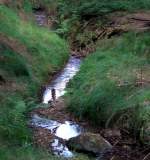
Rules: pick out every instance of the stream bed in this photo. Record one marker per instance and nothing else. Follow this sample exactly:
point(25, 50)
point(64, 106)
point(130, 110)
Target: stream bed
point(68, 129)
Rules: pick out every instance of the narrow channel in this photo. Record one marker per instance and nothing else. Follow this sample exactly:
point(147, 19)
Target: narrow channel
point(66, 130)
point(56, 88)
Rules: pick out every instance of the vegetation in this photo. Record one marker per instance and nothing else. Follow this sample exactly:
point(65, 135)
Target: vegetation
point(111, 89)
point(113, 84)
point(73, 13)
point(29, 55)
point(98, 7)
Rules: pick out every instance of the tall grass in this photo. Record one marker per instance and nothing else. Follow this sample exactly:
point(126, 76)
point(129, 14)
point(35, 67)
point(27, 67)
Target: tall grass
point(74, 14)
point(108, 87)
point(23, 69)
point(98, 7)
point(45, 46)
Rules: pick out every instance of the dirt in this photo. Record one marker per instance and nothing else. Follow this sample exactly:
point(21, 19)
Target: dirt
point(5, 2)
point(42, 137)
point(57, 111)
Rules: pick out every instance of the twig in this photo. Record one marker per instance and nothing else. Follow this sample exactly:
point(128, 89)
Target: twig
point(146, 156)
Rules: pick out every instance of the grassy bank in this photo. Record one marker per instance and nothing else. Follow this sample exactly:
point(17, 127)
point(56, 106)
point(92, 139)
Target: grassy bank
point(72, 13)
point(96, 7)
point(112, 87)
point(29, 55)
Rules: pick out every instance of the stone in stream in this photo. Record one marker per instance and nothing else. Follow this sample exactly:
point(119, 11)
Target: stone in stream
point(89, 142)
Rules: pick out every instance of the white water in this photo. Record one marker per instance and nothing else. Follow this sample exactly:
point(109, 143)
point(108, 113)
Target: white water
point(60, 149)
point(65, 131)
point(40, 18)
point(59, 84)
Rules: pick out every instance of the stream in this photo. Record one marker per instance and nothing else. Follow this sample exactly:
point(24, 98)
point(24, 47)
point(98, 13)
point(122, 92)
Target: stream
point(61, 131)
point(59, 84)
point(68, 129)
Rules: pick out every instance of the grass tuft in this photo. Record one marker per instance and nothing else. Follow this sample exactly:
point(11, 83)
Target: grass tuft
point(113, 82)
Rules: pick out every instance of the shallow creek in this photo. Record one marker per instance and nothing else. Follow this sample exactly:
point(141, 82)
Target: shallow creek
point(61, 131)
point(59, 84)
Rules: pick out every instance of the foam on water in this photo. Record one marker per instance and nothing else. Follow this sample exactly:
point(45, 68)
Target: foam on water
point(67, 131)
point(64, 131)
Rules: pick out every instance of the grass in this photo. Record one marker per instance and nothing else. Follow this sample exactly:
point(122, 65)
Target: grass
point(75, 14)
point(96, 7)
point(26, 152)
point(31, 36)
point(29, 55)
point(29, 153)
point(108, 91)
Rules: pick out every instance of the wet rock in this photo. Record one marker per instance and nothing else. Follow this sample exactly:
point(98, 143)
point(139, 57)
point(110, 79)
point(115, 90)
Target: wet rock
point(89, 142)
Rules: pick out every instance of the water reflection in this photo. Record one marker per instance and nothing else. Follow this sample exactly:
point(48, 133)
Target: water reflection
point(59, 84)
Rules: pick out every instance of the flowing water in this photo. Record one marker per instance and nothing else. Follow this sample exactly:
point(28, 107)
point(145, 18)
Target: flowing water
point(40, 18)
point(63, 131)
point(59, 84)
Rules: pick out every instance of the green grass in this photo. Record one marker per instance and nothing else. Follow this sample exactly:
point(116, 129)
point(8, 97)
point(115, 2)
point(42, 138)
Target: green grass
point(29, 153)
point(98, 7)
point(105, 89)
point(29, 55)
point(74, 14)
point(45, 46)
point(25, 153)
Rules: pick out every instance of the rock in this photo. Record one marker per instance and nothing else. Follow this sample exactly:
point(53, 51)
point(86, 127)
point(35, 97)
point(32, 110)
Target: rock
point(89, 142)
